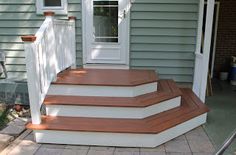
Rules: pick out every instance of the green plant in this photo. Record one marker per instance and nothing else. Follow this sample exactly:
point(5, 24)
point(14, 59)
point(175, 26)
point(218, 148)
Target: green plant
point(3, 118)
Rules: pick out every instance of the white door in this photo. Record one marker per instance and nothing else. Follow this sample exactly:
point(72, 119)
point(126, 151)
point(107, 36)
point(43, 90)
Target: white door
point(105, 31)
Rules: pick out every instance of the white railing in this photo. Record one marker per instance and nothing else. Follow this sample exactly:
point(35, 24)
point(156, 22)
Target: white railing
point(49, 52)
point(202, 58)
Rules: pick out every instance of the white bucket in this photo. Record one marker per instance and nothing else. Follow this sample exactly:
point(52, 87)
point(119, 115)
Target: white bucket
point(224, 76)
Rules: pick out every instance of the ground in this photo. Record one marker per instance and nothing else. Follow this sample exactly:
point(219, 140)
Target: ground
point(195, 142)
point(200, 141)
point(222, 116)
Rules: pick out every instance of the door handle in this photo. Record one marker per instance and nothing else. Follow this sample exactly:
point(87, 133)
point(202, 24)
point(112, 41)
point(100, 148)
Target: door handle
point(123, 15)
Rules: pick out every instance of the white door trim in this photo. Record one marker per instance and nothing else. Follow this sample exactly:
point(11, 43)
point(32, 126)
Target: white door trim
point(202, 59)
point(215, 38)
point(84, 43)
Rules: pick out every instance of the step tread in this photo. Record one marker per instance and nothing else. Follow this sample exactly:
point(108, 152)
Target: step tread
point(191, 107)
point(106, 77)
point(167, 89)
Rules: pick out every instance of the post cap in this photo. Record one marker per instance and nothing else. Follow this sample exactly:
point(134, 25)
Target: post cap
point(49, 13)
point(72, 18)
point(30, 38)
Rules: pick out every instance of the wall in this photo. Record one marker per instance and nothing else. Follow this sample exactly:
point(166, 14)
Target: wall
point(163, 37)
point(17, 18)
point(162, 34)
point(226, 39)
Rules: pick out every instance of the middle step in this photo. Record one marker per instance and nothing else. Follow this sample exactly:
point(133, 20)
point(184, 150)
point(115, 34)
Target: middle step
point(167, 96)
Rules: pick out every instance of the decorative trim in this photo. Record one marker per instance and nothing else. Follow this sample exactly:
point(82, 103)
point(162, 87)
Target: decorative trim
point(30, 38)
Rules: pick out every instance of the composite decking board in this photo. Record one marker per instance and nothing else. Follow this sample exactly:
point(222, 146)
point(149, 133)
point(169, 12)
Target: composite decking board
point(166, 90)
point(191, 107)
point(106, 77)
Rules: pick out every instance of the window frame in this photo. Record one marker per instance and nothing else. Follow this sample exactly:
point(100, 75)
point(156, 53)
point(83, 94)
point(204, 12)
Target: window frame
point(61, 10)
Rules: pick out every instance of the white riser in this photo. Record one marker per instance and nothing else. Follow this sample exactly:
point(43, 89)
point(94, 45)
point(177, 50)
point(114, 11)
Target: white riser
point(117, 139)
point(108, 91)
point(112, 112)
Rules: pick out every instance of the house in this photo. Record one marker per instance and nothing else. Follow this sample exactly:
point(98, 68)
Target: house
point(161, 35)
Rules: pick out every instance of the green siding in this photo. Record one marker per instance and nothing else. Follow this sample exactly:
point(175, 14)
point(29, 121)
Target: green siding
point(163, 37)
point(19, 18)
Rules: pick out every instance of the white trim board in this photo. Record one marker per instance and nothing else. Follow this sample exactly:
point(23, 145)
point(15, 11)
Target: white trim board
point(108, 91)
point(215, 38)
point(112, 112)
point(117, 139)
point(105, 66)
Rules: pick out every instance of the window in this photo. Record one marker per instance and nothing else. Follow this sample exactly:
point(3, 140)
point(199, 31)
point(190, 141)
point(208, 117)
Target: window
point(105, 21)
point(57, 6)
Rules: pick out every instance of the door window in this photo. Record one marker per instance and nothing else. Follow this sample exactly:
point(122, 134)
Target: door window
point(105, 21)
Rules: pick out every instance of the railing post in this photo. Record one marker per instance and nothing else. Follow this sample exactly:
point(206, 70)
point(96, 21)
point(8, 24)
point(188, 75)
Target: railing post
point(72, 19)
point(207, 47)
point(33, 77)
point(50, 15)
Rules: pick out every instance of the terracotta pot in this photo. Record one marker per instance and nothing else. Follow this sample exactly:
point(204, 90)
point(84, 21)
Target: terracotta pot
point(18, 107)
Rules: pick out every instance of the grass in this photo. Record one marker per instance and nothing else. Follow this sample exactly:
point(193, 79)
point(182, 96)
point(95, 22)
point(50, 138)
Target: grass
point(3, 118)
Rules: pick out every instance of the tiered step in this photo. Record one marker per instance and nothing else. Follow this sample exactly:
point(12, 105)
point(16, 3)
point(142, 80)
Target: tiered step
point(148, 132)
point(166, 97)
point(104, 82)
point(129, 108)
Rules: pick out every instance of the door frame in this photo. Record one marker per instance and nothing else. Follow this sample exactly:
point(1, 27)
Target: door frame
point(84, 41)
point(217, 3)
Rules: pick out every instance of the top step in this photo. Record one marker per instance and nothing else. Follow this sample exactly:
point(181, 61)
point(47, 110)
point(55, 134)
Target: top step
point(106, 77)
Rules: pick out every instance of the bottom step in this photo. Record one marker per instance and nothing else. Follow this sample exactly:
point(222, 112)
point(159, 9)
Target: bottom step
point(148, 132)
point(117, 139)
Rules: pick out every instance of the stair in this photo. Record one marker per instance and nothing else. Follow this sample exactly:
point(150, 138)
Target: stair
point(146, 120)
point(167, 96)
point(104, 82)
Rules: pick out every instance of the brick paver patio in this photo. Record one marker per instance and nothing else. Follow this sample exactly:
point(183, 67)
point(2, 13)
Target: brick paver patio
point(195, 142)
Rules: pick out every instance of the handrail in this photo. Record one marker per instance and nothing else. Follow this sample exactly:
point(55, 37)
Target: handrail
point(49, 52)
point(226, 143)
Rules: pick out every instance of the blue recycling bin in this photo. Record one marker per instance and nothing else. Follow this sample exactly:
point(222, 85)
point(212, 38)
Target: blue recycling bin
point(233, 75)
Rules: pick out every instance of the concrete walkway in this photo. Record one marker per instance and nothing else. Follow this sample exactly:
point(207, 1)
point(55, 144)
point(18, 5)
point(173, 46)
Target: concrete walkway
point(195, 142)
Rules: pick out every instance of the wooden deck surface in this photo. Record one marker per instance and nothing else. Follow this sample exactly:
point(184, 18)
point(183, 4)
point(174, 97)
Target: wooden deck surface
point(106, 77)
point(167, 89)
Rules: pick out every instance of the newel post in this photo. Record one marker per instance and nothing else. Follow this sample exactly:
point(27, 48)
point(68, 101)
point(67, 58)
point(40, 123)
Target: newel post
point(72, 19)
point(33, 80)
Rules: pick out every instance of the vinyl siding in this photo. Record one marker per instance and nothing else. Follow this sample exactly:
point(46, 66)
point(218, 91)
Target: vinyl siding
point(163, 37)
point(19, 18)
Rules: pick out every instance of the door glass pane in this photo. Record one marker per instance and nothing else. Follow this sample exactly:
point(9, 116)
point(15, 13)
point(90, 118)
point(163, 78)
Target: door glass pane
point(105, 21)
point(49, 3)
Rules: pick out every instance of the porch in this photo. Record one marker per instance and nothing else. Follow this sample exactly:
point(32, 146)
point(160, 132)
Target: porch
point(107, 107)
